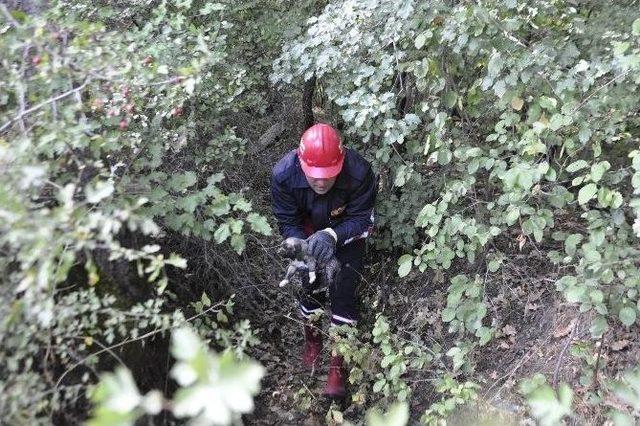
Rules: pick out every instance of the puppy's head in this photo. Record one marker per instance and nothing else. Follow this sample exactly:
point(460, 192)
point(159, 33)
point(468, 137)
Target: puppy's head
point(292, 248)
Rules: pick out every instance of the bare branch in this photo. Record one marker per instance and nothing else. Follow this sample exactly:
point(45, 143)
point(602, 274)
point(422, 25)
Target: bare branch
point(127, 341)
point(8, 16)
point(41, 104)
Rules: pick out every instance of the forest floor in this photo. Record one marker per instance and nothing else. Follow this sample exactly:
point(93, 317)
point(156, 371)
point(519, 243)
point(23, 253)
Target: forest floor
point(536, 334)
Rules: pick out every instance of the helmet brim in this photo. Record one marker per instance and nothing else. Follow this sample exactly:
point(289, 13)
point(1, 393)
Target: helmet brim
point(322, 172)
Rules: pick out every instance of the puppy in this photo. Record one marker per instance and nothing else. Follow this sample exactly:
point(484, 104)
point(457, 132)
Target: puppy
point(295, 249)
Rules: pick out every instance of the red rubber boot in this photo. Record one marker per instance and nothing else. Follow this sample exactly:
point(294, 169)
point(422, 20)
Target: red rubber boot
point(312, 347)
point(335, 379)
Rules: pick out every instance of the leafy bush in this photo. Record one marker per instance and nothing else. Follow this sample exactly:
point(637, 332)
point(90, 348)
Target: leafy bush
point(499, 127)
point(213, 389)
point(109, 139)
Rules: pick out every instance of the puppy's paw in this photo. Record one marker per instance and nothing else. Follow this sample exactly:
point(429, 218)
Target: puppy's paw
point(283, 283)
point(312, 277)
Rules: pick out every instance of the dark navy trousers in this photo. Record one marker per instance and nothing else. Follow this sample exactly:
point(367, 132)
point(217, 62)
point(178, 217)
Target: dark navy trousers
point(343, 293)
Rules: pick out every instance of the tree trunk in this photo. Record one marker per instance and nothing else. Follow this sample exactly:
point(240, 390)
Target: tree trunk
point(307, 102)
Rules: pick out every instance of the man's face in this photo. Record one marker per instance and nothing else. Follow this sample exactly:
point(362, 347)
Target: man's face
point(321, 185)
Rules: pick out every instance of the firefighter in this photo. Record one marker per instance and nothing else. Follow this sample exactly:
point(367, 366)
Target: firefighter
point(324, 192)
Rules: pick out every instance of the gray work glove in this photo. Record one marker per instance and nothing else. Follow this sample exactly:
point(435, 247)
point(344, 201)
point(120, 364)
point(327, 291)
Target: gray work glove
point(322, 246)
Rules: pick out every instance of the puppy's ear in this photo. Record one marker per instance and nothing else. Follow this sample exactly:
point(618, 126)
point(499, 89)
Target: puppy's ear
point(301, 246)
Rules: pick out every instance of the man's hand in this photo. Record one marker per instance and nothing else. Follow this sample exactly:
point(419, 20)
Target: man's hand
point(322, 245)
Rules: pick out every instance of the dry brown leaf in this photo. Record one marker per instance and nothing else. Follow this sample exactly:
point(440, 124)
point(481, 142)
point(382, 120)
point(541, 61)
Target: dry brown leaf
point(521, 239)
point(509, 330)
point(619, 345)
point(563, 331)
point(504, 345)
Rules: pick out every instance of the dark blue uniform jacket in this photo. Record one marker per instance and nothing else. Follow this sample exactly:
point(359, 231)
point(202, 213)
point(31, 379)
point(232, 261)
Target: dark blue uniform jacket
point(347, 208)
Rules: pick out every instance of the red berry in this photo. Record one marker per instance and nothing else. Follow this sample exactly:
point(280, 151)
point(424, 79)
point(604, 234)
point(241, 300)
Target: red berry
point(124, 124)
point(35, 60)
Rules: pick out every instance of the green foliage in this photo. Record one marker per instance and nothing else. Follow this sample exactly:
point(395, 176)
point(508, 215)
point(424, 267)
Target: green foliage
point(397, 415)
point(546, 405)
point(454, 395)
point(113, 133)
point(466, 309)
point(213, 389)
point(498, 127)
point(378, 361)
point(627, 390)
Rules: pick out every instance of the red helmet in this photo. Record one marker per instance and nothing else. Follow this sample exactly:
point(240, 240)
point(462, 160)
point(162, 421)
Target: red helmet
point(320, 152)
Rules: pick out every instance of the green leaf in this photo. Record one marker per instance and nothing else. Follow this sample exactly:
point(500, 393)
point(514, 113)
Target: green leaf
point(598, 169)
point(242, 205)
point(259, 224)
point(627, 315)
point(635, 27)
point(586, 193)
point(98, 192)
point(571, 242)
point(450, 99)
point(190, 203)
point(548, 409)
point(426, 215)
point(378, 385)
point(238, 243)
point(575, 294)
point(577, 165)
point(495, 64)
point(220, 206)
point(420, 40)
point(494, 265)
point(444, 156)
point(117, 397)
point(598, 326)
point(548, 103)
point(404, 265)
point(222, 233)
point(512, 215)
point(485, 334)
point(182, 182)
point(177, 261)
point(398, 415)
point(448, 314)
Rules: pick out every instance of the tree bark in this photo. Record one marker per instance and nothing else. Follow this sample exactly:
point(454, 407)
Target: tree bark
point(307, 102)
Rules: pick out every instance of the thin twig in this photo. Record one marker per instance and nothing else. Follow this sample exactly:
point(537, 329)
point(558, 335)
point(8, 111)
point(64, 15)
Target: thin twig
point(564, 349)
point(604, 86)
point(107, 349)
point(127, 341)
point(8, 16)
point(41, 104)
point(308, 390)
point(595, 367)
